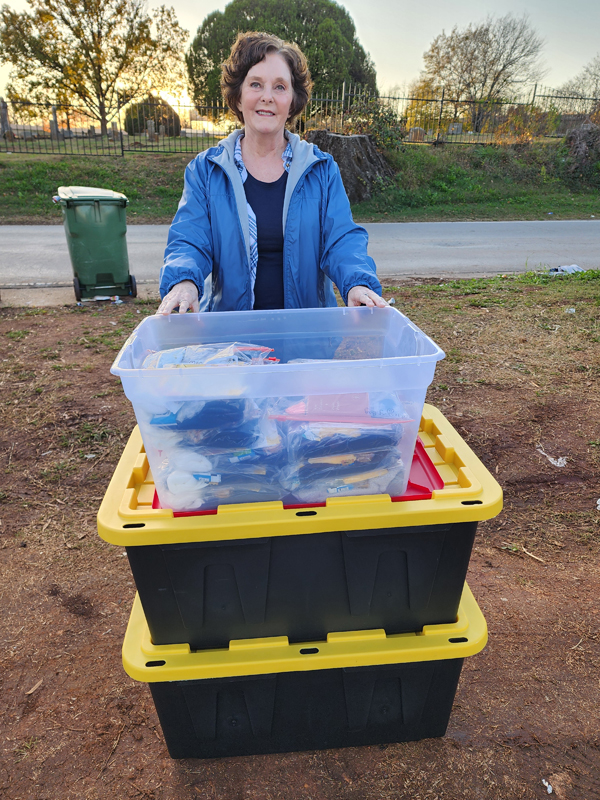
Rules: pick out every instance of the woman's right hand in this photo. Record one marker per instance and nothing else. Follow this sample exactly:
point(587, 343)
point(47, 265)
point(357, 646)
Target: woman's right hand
point(184, 295)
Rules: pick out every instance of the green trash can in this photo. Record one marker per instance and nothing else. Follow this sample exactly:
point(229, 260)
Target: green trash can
point(96, 229)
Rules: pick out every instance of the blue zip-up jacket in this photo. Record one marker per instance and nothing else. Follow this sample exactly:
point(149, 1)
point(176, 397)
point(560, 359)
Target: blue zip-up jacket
point(209, 242)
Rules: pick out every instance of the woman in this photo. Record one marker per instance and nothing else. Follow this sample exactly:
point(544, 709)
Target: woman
point(264, 220)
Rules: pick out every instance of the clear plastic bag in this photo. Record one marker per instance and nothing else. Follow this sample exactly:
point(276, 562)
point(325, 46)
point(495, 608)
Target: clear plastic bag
point(307, 440)
point(200, 468)
point(340, 467)
point(210, 415)
point(209, 355)
point(341, 444)
point(374, 481)
point(187, 491)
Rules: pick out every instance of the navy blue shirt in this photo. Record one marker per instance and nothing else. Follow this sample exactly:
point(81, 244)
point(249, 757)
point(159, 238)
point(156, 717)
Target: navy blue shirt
point(266, 200)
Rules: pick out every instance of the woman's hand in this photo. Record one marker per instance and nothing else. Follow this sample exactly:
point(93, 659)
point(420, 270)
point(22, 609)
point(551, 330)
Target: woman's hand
point(184, 295)
point(362, 296)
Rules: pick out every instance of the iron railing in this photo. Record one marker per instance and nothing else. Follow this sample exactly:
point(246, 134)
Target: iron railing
point(54, 129)
point(536, 113)
point(155, 126)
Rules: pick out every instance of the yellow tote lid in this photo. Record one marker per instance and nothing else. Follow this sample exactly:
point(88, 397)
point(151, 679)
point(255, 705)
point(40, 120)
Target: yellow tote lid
point(470, 494)
point(150, 663)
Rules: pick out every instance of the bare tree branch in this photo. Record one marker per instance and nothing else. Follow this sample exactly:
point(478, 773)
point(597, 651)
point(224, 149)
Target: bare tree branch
point(484, 63)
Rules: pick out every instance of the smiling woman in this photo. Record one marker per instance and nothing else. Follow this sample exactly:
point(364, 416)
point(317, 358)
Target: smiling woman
point(264, 221)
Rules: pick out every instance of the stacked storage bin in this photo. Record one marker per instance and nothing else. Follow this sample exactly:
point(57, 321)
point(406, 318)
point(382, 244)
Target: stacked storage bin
point(268, 696)
point(265, 628)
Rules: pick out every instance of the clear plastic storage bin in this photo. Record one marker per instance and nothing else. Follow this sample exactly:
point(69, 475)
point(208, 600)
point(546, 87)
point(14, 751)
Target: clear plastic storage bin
point(332, 411)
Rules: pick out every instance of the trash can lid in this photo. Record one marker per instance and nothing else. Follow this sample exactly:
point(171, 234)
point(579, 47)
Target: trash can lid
point(88, 193)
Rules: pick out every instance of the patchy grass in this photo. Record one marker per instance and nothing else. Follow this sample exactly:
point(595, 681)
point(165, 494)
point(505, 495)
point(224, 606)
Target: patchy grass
point(456, 182)
point(24, 749)
point(152, 183)
point(481, 182)
point(17, 335)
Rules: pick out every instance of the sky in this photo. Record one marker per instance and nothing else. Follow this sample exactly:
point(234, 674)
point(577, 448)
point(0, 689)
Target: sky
point(396, 33)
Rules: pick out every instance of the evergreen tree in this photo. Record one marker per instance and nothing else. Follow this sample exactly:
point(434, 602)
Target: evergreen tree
point(322, 29)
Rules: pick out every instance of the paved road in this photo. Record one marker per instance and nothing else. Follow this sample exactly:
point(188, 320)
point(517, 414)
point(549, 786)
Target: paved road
point(37, 254)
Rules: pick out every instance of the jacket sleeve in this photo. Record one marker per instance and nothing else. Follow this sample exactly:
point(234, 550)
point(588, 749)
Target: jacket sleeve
point(344, 250)
point(189, 251)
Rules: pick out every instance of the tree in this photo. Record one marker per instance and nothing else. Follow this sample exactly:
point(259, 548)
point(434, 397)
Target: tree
point(423, 109)
point(322, 29)
point(152, 109)
point(377, 118)
point(587, 82)
point(88, 51)
point(483, 64)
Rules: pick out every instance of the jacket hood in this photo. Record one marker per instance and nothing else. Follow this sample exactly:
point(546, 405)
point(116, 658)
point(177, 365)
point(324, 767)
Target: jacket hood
point(304, 152)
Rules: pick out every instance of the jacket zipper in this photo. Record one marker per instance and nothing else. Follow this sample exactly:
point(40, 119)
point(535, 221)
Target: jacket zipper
point(241, 230)
point(294, 192)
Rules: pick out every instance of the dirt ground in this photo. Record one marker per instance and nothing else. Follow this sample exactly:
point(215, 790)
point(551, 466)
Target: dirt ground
point(521, 373)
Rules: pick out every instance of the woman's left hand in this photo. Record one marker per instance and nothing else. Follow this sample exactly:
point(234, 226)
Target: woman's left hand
point(362, 296)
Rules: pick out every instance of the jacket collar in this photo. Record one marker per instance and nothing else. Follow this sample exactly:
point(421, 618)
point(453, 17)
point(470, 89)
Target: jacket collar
point(303, 153)
point(304, 156)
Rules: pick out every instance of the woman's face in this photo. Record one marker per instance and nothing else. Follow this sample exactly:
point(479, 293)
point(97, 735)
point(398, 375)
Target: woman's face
point(267, 96)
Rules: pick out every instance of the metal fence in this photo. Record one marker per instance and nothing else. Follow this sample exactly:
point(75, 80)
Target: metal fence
point(155, 126)
point(55, 129)
point(152, 125)
point(536, 113)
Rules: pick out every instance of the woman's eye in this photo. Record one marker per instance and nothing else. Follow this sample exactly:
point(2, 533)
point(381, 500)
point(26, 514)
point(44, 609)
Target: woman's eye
point(255, 85)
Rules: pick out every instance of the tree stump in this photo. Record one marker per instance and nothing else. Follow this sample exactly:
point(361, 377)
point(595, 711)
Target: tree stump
point(361, 165)
point(584, 146)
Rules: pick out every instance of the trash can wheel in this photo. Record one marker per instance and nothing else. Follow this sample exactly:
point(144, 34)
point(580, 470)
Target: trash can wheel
point(77, 289)
point(132, 286)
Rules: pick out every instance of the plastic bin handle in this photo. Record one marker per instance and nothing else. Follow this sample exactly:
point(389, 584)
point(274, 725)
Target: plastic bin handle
point(125, 356)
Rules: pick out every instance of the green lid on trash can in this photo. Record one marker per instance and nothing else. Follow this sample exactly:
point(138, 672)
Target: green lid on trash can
point(88, 193)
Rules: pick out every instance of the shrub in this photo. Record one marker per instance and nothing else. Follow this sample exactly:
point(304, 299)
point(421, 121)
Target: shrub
point(583, 145)
point(152, 108)
point(371, 116)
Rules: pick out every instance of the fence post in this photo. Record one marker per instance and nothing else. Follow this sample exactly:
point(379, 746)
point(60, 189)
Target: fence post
point(54, 125)
point(534, 94)
point(5, 129)
point(441, 111)
point(120, 124)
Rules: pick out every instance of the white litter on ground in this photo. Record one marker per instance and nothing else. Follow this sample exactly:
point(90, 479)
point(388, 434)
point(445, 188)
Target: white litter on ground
point(566, 270)
point(558, 462)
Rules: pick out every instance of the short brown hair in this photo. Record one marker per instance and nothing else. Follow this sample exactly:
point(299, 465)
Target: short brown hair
point(249, 49)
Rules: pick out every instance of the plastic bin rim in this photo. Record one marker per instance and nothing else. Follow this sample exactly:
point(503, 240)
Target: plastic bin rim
point(437, 353)
point(144, 661)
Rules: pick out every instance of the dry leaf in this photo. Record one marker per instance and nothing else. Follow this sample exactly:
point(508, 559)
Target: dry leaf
point(37, 686)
